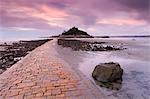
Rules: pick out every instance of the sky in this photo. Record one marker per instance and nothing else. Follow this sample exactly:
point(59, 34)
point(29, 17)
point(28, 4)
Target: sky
point(30, 19)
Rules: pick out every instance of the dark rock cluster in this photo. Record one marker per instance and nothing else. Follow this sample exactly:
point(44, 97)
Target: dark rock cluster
point(74, 44)
point(6, 61)
point(13, 53)
point(87, 46)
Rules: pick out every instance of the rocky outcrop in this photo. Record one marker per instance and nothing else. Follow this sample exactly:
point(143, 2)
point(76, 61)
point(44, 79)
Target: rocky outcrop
point(75, 33)
point(87, 46)
point(6, 61)
point(13, 53)
point(74, 44)
point(108, 75)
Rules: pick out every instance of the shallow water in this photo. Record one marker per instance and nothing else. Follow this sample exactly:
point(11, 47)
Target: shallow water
point(135, 62)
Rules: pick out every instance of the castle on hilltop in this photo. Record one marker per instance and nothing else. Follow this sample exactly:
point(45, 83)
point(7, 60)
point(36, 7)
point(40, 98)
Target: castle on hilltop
point(75, 32)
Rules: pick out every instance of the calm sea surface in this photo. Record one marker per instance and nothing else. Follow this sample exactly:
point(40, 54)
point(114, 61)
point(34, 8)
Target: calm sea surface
point(135, 61)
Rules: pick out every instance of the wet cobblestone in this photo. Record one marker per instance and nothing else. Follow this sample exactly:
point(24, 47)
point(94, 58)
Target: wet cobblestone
point(42, 75)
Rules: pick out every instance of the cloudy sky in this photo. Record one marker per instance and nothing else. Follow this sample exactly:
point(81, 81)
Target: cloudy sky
point(28, 19)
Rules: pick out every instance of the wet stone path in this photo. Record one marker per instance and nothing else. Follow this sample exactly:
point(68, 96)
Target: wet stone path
point(42, 75)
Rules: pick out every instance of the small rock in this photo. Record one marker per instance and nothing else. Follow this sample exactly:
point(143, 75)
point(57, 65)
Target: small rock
point(1, 71)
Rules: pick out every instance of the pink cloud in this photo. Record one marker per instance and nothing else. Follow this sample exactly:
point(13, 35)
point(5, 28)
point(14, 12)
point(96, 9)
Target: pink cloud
point(54, 14)
point(121, 21)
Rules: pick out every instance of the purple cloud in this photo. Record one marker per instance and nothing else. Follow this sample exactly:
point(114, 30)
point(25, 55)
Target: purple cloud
point(139, 6)
point(54, 14)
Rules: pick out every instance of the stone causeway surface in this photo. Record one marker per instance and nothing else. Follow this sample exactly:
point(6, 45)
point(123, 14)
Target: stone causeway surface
point(42, 75)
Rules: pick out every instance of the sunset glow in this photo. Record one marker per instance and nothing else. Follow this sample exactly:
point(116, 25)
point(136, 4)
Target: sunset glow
point(122, 21)
point(52, 17)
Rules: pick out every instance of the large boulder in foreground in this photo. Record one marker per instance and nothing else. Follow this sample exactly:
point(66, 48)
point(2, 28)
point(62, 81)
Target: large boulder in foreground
point(108, 74)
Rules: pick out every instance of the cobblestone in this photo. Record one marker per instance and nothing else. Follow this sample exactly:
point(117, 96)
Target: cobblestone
point(43, 75)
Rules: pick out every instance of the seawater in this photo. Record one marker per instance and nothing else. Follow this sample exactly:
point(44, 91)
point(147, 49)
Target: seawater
point(135, 61)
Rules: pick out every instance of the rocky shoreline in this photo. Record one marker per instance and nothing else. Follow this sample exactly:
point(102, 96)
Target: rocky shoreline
point(77, 45)
point(12, 53)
